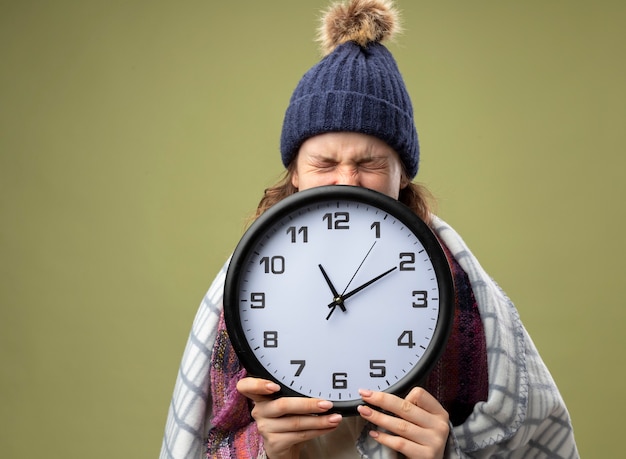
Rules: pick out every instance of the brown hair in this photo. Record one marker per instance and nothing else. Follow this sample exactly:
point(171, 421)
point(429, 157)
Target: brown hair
point(415, 196)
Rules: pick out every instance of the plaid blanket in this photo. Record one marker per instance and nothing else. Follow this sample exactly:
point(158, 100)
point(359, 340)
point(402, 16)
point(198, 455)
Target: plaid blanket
point(523, 416)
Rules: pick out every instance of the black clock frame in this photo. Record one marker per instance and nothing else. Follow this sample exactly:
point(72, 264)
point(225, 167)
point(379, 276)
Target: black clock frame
point(364, 196)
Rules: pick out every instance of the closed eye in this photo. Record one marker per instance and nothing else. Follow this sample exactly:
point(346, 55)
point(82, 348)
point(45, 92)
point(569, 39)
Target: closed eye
point(374, 164)
point(323, 164)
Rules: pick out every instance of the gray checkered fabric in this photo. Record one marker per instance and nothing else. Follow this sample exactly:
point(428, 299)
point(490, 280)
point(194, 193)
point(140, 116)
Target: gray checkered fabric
point(523, 417)
point(189, 414)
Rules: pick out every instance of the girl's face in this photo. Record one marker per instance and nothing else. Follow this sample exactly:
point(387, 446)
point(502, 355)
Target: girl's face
point(349, 158)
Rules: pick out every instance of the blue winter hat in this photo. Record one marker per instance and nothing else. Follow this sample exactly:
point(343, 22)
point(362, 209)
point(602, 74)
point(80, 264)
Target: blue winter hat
point(356, 87)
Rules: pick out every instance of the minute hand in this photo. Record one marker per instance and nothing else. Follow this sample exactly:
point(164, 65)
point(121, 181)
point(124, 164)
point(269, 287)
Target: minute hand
point(361, 287)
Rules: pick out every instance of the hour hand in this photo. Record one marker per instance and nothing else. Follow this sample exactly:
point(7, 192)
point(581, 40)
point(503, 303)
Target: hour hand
point(337, 299)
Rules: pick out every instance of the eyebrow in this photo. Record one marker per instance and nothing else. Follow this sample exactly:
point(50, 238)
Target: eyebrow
point(333, 158)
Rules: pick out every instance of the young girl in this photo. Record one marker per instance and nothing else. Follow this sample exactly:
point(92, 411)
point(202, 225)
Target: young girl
point(350, 121)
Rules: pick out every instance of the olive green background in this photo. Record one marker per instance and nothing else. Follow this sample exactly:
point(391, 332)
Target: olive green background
point(137, 136)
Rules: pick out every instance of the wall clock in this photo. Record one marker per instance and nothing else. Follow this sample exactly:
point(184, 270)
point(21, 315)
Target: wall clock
point(335, 289)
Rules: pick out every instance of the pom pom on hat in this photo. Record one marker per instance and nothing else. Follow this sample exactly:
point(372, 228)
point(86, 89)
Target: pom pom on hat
point(361, 21)
point(356, 87)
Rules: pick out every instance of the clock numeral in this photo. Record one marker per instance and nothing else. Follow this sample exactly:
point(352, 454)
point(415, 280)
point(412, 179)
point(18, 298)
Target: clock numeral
point(379, 370)
point(275, 265)
point(340, 380)
point(406, 339)
point(257, 300)
point(376, 227)
point(301, 364)
point(408, 261)
point(338, 220)
point(270, 339)
point(295, 232)
point(421, 299)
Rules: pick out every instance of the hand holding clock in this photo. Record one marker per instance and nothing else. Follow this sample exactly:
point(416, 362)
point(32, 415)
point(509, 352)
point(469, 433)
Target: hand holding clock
point(417, 425)
point(419, 428)
point(286, 422)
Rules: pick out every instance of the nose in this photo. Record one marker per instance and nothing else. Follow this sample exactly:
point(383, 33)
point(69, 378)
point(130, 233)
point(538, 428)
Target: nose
point(347, 177)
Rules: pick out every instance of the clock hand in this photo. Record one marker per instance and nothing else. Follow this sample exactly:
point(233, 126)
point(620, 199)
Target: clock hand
point(361, 287)
point(339, 301)
point(336, 297)
point(357, 270)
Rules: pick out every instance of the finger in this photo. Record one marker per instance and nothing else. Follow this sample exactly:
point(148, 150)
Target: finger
point(284, 406)
point(302, 424)
point(423, 399)
point(279, 437)
point(409, 448)
point(419, 407)
point(412, 426)
point(281, 429)
point(256, 389)
point(424, 432)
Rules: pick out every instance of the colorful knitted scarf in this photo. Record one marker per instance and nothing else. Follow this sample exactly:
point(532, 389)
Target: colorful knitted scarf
point(233, 433)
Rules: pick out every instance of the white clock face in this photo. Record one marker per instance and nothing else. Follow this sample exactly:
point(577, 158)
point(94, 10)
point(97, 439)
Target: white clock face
point(337, 296)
